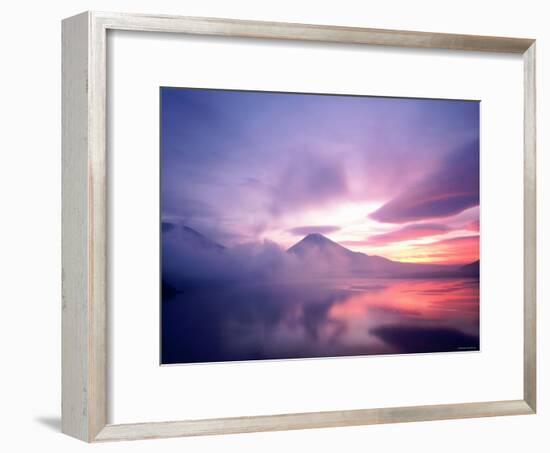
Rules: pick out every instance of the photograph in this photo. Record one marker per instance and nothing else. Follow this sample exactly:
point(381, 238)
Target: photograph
point(301, 225)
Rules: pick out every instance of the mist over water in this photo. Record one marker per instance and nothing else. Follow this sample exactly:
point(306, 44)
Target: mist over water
point(215, 322)
point(317, 299)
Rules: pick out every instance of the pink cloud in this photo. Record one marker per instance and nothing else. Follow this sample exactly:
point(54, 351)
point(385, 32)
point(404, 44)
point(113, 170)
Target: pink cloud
point(309, 229)
point(407, 233)
point(449, 190)
point(472, 226)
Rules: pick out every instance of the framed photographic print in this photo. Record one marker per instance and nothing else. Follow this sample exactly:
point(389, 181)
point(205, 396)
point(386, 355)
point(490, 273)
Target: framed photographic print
point(273, 226)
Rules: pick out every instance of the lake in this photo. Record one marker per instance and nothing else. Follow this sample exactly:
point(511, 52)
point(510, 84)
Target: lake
point(213, 322)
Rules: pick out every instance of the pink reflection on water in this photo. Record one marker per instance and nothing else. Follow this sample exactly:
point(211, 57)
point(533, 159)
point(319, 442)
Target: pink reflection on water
point(418, 304)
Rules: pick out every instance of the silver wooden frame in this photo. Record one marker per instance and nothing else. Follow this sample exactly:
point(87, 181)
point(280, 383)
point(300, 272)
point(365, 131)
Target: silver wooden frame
point(84, 353)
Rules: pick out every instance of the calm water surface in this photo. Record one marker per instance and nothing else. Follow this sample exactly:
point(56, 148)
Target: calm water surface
point(339, 317)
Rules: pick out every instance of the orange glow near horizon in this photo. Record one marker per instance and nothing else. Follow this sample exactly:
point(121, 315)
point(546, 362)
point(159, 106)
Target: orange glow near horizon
point(451, 241)
point(452, 250)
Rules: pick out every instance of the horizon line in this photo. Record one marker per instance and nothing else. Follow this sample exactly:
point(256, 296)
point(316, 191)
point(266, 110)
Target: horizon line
point(438, 263)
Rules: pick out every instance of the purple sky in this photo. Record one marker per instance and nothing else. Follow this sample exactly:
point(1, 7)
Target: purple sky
point(375, 172)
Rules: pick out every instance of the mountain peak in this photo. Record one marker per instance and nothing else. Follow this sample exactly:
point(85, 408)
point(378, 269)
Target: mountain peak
point(317, 237)
point(316, 241)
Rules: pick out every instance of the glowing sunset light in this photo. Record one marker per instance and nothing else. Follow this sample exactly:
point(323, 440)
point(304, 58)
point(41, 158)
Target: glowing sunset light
point(456, 250)
point(347, 221)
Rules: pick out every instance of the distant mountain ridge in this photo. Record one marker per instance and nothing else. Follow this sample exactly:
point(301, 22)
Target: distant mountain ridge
point(190, 237)
point(316, 249)
point(317, 246)
point(470, 270)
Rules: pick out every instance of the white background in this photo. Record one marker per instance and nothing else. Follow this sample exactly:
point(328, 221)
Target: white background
point(141, 391)
point(30, 240)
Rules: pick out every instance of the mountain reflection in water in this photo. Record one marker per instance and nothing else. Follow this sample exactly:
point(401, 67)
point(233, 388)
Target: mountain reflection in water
point(327, 318)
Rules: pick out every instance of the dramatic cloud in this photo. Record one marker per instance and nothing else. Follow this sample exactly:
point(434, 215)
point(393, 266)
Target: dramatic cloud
point(305, 230)
point(449, 190)
point(407, 233)
point(459, 241)
point(472, 226)
point(309, 179)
